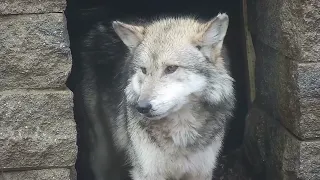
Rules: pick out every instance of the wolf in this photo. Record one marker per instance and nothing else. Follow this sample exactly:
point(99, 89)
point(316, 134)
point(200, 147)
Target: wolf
point(177, 97)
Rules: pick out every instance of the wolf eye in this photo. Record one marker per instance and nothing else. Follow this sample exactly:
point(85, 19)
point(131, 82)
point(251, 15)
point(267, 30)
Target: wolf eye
point(144, 70)
point(170, 69)
point(198, 47)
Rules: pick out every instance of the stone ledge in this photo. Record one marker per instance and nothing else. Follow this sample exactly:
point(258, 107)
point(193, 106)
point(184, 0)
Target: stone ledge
point(289, 91)
point(43, 174)
point(271, 148)
point(291, 27)
point(34, 51)
point(37, 129)
point(31, 6)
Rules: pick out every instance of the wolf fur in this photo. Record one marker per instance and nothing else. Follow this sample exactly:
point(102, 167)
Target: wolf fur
point(178, 67)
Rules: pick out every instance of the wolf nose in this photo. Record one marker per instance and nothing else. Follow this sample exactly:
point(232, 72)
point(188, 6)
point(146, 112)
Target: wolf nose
point(143, 107)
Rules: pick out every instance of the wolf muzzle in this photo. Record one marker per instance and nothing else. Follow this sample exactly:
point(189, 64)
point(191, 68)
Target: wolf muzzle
point(144, 106)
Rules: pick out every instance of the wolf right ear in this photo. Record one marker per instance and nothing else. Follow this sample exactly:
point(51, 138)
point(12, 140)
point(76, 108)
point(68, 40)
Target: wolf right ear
point(214, 31)
point(211, 35)
point(130, 35)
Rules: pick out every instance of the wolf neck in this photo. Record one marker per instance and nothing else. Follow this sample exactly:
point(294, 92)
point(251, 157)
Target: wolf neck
point(182, 128)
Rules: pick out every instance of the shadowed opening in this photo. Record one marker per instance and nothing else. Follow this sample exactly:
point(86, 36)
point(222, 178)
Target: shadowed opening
point(95, 62)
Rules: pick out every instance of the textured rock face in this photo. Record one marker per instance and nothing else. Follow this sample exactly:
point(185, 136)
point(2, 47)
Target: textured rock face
point(34, 51)
point(287, 47)
point(284, 156)
point(288, 90)
point(31, 6)
point(37, 130)
point(45, 174)
point(283, 130)
point(289, 26)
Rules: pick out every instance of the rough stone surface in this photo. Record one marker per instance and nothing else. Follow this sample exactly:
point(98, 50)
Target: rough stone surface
point(271, 148)
point(44, 174)
point(289, 26)
point(37, 129)
point(73, 173)
point(34, 51)
point(31, 6)
point(289, 91)
point(308, 79)
point(310, 117)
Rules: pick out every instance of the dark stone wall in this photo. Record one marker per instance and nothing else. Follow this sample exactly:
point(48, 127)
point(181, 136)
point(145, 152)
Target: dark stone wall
point(282, 134)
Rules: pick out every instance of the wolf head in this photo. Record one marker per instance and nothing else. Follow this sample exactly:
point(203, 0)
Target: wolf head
point(175, 61)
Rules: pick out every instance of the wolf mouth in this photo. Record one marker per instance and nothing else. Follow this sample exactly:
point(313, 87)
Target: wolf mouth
point(155, 116)
point(152, 115)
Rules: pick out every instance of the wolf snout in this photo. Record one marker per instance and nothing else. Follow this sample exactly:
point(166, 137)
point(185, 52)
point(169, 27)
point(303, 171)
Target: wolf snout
point(144, 106)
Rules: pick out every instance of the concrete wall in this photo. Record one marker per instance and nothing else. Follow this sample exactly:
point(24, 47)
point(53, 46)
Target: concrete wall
point(283, 127)
point(37, 128)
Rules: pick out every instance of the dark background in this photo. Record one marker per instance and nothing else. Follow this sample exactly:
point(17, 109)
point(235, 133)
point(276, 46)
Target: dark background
point(83, 15)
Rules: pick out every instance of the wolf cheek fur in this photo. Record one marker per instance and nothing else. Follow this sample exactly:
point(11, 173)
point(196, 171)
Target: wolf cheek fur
point(178, 96)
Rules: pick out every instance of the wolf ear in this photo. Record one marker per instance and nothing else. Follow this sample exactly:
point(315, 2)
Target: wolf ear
point(130, 35)
point(213, 32)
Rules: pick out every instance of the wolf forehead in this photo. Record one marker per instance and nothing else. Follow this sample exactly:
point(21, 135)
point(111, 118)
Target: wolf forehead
point(168, 38)
point(171, 34)
point(171, 31)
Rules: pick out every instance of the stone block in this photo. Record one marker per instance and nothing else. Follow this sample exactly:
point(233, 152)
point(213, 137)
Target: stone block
point(291, 27)
point(274, 150)
point(34, 51)
point(288, 90)
point(31, 6)
point(44, 174)
point(37, 129)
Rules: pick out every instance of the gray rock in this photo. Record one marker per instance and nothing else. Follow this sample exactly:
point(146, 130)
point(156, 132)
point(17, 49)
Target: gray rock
point(37, 129)
point(288, 90)
point(308, 79)
point(254, 145)
point(34, 51)
point(309, 160)
point(31, 6)
point(309, 121)
point(44, 174)
point(289, 26)
point(73, 173)
point(271, 148)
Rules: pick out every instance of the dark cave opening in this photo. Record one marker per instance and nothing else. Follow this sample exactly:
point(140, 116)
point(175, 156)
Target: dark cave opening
point(83, 16)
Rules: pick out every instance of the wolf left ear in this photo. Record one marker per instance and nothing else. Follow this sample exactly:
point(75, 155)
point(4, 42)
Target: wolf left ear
point(213, 32)
point(130, 35)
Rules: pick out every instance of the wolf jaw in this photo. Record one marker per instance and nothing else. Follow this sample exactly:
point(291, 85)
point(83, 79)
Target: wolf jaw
point(177, 75)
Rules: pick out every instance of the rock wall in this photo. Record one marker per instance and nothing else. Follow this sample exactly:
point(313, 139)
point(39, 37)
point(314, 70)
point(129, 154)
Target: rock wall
point(37, 128)
point(283, 127)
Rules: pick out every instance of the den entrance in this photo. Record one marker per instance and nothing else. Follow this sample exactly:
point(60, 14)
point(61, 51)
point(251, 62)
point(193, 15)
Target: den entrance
point(94, 61)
